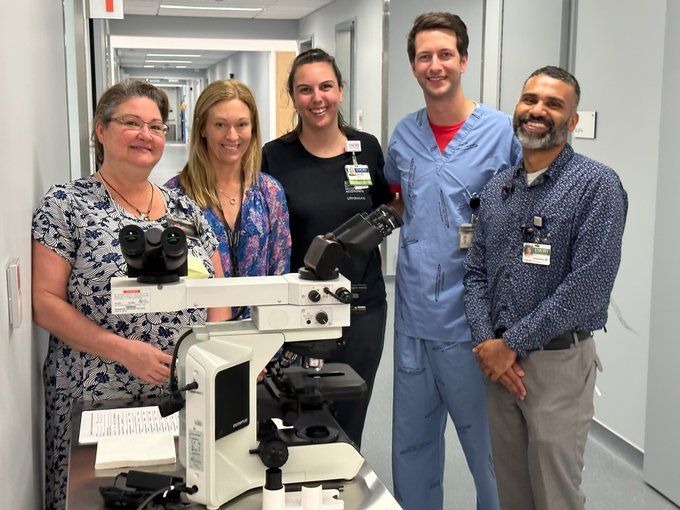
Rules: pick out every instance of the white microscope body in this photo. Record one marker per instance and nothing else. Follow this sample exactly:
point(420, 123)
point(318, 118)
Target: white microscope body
point(224, 359)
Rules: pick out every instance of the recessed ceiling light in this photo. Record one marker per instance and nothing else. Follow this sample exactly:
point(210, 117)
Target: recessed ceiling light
point(171, 55)
point(202, 8)
point(150, 66)
point(180, 67)
point(170, 61)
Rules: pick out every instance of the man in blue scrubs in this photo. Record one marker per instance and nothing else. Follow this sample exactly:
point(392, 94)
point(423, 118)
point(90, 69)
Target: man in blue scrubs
point(440, 157)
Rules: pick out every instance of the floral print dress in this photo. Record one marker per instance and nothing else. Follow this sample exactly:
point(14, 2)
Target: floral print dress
point(80, 222)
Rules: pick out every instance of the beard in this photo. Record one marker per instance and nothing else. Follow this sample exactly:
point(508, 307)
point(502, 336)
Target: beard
point(532, 141)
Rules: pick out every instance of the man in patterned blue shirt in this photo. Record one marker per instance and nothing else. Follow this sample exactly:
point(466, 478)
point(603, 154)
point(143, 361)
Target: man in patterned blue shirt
point(538, 278)
point(441, 156)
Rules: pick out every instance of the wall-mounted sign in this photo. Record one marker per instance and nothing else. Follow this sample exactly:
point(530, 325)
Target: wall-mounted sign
point(112, 9)
point(586, 125)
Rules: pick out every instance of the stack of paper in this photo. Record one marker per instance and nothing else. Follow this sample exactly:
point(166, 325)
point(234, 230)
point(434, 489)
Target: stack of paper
point(134, 451)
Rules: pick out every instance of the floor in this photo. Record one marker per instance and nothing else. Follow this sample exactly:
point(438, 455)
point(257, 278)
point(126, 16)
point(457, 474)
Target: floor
point(611, 480)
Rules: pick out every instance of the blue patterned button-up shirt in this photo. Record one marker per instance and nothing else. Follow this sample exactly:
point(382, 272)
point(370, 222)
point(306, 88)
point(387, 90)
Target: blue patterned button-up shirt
point(583, 208)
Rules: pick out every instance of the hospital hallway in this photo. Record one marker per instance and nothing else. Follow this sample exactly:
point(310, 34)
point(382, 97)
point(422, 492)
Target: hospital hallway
point(174, 158)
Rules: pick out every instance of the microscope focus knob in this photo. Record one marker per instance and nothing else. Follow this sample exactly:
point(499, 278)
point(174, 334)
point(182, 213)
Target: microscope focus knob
point(322, 318)
point(314, 296)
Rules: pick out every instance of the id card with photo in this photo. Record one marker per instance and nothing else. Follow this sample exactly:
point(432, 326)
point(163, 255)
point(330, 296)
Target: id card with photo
point(535, 253)
point(358, 175)
point(467, 230)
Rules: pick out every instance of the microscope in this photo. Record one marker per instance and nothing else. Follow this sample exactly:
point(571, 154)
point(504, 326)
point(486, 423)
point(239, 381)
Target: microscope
point(231, 427)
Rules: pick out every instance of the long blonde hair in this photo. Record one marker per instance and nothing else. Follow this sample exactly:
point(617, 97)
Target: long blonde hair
point(196, 178)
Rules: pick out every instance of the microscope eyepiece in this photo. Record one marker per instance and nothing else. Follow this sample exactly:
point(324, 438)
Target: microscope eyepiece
point(132, 241)
point(174, 242)
point(154, 256)
point(359, 235)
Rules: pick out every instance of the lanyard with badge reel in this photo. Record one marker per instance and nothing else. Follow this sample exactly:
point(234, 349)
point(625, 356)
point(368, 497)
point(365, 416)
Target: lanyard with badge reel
point(358, 176)
point(467, 230)
point(233, 237)
point(233, 240)
point(534, 248)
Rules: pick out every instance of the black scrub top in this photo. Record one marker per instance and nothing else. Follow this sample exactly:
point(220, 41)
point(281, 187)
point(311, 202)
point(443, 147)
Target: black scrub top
point(320, 199)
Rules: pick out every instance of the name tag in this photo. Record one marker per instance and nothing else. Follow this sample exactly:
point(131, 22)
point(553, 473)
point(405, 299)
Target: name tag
point(535, 253)
point(465, 234)
point(358, 176)
point(353, 146)
point(188, 227)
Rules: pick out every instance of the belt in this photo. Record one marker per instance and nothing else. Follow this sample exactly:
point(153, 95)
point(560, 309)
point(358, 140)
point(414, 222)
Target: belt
point(566, 340)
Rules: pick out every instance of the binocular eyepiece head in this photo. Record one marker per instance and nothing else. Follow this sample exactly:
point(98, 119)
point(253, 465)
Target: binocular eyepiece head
point(155, 256)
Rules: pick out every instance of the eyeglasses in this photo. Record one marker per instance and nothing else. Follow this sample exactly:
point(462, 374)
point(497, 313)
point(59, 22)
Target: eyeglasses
point(134, 123)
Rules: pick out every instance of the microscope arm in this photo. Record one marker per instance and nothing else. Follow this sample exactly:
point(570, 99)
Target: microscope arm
point(285, 302)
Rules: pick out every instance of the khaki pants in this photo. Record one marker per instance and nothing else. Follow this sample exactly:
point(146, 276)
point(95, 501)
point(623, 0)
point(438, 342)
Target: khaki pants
point(538, 443)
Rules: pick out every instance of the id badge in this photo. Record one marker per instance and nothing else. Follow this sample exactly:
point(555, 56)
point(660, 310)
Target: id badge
point(186, 226)
point(536, 253)
point(465, 234)
point(358, 176)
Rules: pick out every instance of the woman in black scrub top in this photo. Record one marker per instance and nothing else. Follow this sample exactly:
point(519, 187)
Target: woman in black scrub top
point(327, 181)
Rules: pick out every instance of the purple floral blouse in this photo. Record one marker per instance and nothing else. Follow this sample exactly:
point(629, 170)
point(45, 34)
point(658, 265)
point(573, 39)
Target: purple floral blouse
point(264, 242)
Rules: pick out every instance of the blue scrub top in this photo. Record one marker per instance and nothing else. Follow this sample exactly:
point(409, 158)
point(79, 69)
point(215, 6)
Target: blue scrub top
point(436, 189)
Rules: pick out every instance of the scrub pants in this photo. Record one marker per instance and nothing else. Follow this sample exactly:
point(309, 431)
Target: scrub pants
point(432, 379)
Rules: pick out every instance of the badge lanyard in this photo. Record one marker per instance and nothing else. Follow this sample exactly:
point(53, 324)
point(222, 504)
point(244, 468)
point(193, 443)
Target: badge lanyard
point(358, 176)
point(233, 239)
point(233, 235)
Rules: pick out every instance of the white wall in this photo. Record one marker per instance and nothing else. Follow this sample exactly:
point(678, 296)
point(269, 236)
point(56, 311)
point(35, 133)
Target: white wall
point(368, 14)
point(662, 437)
point(34, 155)
point(619, 64)
point(527, 45)
point(252, 68)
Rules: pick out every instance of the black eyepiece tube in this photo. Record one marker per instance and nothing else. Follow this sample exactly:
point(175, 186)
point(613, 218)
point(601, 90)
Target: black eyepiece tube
point(357, 236)
point(174, 242)
point(132, 240)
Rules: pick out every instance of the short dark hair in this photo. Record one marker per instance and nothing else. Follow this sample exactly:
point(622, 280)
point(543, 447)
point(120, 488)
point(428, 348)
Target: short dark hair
point(118, 94)
point(558, 74)
point(438, 21)
point(313, 56)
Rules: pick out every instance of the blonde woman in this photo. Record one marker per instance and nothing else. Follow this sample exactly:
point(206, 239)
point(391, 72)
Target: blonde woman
point(246, 209)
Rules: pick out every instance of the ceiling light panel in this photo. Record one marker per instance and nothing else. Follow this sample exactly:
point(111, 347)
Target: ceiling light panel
point(177, 55)
point(169, 61)
point(211, 8)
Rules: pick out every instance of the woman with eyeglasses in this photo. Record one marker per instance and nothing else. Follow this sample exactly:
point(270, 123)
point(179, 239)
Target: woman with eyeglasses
point(246, 209)
point(94, 354)
point(330, 172)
